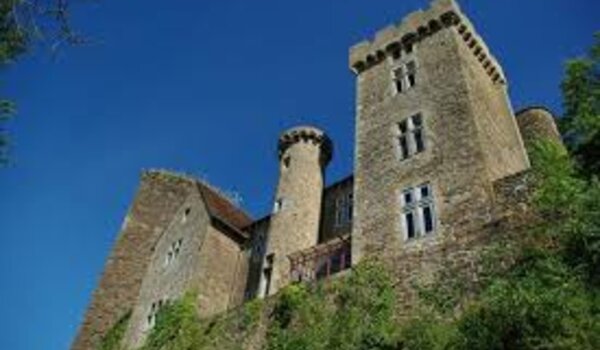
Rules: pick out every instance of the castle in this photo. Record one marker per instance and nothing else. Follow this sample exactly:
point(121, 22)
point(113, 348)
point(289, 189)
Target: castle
point(439, 160)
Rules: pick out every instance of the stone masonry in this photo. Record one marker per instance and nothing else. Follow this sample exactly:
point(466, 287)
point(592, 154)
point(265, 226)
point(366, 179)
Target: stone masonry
point(440, 171)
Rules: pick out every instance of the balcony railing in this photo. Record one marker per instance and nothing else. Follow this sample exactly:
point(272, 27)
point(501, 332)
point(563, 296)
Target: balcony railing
point(321, 261)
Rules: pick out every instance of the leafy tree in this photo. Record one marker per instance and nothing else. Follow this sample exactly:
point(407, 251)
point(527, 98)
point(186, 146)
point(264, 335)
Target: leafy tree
point(581, 122)
point(22, 24)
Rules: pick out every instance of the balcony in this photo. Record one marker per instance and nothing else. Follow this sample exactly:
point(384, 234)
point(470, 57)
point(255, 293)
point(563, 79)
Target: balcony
point(321, 261)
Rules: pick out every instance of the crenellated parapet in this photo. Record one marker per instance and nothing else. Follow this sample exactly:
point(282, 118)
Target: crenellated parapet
point(418, 26)
point(306, 134)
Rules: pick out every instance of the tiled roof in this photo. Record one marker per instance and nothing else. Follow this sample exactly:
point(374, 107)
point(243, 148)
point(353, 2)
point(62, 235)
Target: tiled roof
point(222, 208)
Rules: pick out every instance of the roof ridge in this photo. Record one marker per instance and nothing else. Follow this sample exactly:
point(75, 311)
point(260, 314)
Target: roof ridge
point(199, 180)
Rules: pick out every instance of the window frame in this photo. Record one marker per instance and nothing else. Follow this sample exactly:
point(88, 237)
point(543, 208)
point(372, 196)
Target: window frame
point(404, 74)
point(409, 136)
point(343, 208)
point(416, 209)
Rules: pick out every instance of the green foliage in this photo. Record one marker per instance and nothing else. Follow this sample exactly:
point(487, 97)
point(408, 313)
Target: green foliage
point(350, 313)
point(539, 305)
point(446, 292)
point(581, 122)
point(548, 299)
point(571, 208)
point(22, 24)
point(251, 313)
point(13, 39)
point(177, 327)
point(427, 331)
point(13, 42)
point(112, 339)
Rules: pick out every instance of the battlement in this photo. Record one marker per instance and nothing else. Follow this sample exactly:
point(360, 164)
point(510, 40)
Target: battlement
point(306, 134)
point(418, 26)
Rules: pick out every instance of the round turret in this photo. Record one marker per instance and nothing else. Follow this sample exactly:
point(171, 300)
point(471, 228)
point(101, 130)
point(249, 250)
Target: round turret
point(304, 152)
point(537, 123)
point(306, 134)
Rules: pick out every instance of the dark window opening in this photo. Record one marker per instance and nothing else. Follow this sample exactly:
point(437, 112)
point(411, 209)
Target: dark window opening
point(267, 277)
point(428, 219)
point(417, 120)
point(410, 225)
point(404, 153)
point(286, 162)
point(411, 71)
point(419, 144)
point(408, 198)
point(350, 206)
point(399, 86)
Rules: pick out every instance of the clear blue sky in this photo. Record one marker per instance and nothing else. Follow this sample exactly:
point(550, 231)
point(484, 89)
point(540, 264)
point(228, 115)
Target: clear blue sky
point(203, 87)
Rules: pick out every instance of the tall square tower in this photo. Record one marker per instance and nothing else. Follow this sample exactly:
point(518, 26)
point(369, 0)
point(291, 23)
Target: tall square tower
point(434, 130)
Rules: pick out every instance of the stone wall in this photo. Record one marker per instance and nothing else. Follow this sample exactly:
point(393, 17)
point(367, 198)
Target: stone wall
point(453, 162)
point(329, 228)
point(497, 130)
point(156, 201)
point(461, 258)
point(173, 266)
point(221, 273)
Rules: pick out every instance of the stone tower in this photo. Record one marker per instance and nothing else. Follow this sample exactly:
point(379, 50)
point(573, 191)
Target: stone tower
point(537, 123)
point(304, 152)
point(434, 130)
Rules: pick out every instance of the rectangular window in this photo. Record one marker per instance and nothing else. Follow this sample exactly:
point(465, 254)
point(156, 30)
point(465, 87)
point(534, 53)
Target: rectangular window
point(343, 210)
point(340, 208)
point(349, 206)
point(267, 274)
point(409, 217)
point(418, 213)
point(411, 74)
point(405, 76)
point(410, 135)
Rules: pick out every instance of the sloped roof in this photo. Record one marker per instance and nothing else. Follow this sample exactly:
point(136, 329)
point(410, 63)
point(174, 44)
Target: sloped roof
point(222, 208)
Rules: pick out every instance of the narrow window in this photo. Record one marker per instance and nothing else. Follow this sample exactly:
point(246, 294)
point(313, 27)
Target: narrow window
point(267, 273)
point(399, 79)
point(411, 139)
point(403, 139)
point(173, 251)
point(411, 74)
point(340, 208)
point(350, 206)
point(417, 131)
point(408, 48)
point(177, 247)
point(405, 76)
point(427, 219)
point(410, 224)
point(259, 246)
point(185, 215)
point(286, 162)
point(418, 213)
point(408, 198)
